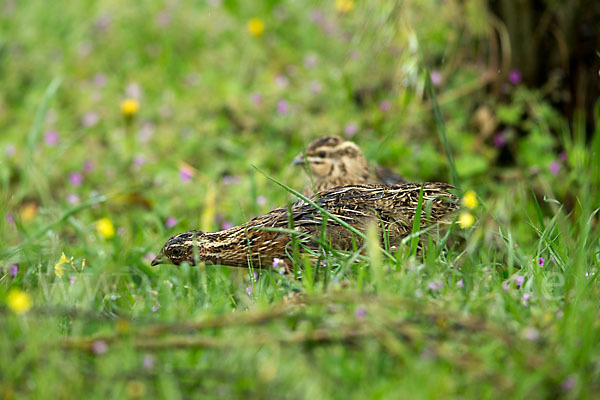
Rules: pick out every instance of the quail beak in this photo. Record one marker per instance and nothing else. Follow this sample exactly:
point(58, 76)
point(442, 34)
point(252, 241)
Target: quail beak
point(159, 259)
point(299, 160)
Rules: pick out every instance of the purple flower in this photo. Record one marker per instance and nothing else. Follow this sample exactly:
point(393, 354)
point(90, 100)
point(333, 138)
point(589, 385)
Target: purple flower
point(90, 119)
point(229, 180)
point(554, 167)
point(261, 200)
point(315, 86)
point(103, 22)
point(139, 160)
point(155, 308)
point(436, 77)
point(526, 297)
point(133, 90)
point(316, 16)
point(51, 137)
point(505, 286)
point(432, 286)
point(350, 129)
point(283, 107)
point(282, 81)
point(568, 383)
point(531, 334)
point(310, 61)
point(171, 222)
point(360, 312)
point(75, 178)
point(542, 261)
point(226, 225)
point(460, 284)
point(562, 156)
point(148, 361)
point(72, 279)
point(328, 27)
point(256, 99)
point(146, 132)
point(185, 174)
point(552, 258)
point(499, 140)
point(515, 77)
point(88, 166)
point(10, 219)
point(163, 19)
point(10, 150)
point(149, 256)
point(385, 105)
point(72, 199)
point(191, 80)
point(248, 290)
point(520, 280)
point(100, 80)
point(277, 262)
point(99, 347)
point(14, 269)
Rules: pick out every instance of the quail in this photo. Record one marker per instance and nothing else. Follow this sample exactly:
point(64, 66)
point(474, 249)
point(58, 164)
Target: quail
point(334, 161)
point(391, 207)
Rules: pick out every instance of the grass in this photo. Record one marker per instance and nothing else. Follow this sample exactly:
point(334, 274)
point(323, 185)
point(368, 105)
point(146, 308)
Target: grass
point(476, 315)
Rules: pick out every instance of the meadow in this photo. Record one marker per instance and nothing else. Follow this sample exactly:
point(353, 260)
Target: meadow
point(123, 124)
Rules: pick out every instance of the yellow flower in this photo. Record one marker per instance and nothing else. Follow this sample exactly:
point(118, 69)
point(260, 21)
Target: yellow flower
point(28, 212)
point(466, 219)
point(105, 227)
point(344, 6)
point(19, 301)
point(123, 326)
point(130, 107)
point(470, 200)
point(256, 26)
point(135, 388)
point(58, 267)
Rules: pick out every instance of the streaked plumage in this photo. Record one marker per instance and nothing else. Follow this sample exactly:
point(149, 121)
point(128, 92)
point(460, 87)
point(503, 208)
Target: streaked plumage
point(394, 206)
point(334, 161)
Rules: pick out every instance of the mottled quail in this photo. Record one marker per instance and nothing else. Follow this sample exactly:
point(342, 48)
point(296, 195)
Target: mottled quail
point(390, 206)
point(334, 161)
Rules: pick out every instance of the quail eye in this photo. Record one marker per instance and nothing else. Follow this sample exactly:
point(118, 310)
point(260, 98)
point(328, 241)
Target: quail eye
point(321, 154)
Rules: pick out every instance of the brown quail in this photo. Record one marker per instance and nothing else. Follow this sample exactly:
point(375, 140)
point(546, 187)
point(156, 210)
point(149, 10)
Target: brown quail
point(390, 206)
point(334, 161)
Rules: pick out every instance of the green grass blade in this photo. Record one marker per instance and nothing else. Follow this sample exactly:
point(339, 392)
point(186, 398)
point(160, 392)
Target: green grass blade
point(40, 114)
point(439, 121)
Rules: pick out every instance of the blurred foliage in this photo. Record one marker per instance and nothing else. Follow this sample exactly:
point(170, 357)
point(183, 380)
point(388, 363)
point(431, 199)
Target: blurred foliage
point(216, 98)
